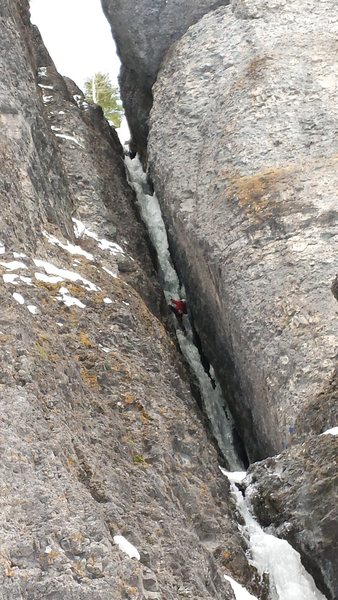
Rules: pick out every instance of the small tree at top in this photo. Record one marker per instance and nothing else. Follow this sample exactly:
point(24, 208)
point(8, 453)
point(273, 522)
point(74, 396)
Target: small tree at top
point(99, 90)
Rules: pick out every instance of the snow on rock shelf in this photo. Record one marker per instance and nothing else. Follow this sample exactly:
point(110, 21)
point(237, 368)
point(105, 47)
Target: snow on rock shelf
point(240, 592)
point(126, 547)
point(333, 431)
point(65, 274)
point(13, 265)
point(19, 298)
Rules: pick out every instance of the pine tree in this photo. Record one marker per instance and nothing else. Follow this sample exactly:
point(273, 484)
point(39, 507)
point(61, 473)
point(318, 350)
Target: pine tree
point(99, 90)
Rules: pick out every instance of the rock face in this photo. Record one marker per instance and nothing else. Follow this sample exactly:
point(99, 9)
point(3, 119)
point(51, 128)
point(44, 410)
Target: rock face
point(143, 31)
point(243, 155)
point(33, 187)
point(295, 493)
point(100, 435)
point(93, 160)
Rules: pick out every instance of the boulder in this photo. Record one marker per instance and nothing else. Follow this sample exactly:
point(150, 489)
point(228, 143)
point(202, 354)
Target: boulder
point(294, 494)
point(143, 31)
point(243, 155)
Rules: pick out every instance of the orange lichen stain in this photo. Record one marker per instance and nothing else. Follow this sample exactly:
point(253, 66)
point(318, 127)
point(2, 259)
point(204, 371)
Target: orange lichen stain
point(42, 346)
point(120, 367)
point(254, 188)
point(77, 569)
point(90, 379)
point(128, 399)
point(145, 416)
point(5, 338)
point(77, 536)
point(257, 66)
point(225, 557)
point(76, 290)
point(131, 401)
point(52, 288)
point(70, 462)
point(204, 490)
point(146, 317)
point(259, 194)
point(53, 556)
point(85, 341)
point(72, 316)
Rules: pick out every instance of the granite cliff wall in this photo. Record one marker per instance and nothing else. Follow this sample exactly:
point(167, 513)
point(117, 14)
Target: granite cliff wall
point(243, 154)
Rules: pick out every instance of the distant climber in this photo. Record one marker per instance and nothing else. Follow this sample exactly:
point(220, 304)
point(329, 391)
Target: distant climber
point(178, 307)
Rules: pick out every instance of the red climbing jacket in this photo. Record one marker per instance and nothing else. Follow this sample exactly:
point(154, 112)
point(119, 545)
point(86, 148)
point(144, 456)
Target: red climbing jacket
point(178, 307)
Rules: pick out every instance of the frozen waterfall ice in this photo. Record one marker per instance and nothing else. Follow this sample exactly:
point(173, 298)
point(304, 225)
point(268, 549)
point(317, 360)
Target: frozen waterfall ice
point(211, 393)
point(269, 554)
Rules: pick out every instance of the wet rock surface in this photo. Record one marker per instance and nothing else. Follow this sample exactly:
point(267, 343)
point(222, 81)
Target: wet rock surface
point(294, 494)
point(143, 31)
point(99, 433)
point(242, 152)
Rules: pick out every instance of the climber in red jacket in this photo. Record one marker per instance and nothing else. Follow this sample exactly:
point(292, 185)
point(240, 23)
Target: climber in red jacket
point(178, 307)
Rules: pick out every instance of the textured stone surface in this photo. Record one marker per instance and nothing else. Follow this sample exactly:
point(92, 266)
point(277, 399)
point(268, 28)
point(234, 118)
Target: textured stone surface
point(143, 31)
point(33, 187)
point(93, 160)
point(296, 494)
point(243, 153)
point(99, 432)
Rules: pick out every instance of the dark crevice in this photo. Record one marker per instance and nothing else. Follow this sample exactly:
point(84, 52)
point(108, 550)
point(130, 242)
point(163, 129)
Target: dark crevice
point(167, 320)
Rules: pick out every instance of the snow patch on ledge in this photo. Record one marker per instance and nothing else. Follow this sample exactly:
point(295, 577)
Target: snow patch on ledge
point(33, 309)
point(333, 431)
point(240, 592)
point(42, 72)
point(13, 279)
point(81, 229)
point(48, 278)
point(69, 300)
point(110, 272)
point(126, 547)
point(70, 138)
point(14, 265)
point(65, 274)
point(71, 248)
point(10, 278)
point(19, 298)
